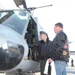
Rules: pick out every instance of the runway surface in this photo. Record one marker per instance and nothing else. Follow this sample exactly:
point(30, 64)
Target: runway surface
point(70, 71)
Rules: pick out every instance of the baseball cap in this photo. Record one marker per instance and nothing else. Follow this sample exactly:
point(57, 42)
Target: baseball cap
point(43, 32)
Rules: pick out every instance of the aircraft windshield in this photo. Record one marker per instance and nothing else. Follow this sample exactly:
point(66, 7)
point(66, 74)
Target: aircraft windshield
point(15, 20)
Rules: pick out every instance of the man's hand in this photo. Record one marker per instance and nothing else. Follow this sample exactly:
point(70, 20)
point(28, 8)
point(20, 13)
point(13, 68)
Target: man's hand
point(64, 53)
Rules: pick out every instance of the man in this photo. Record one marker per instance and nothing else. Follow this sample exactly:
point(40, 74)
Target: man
point(44, 48)
point(59, 50)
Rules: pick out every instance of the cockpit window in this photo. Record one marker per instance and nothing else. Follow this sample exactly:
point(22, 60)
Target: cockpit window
point(15, 20)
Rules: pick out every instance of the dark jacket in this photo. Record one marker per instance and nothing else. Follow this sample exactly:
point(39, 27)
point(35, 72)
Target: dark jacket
point(57, 47)
point(44, 49)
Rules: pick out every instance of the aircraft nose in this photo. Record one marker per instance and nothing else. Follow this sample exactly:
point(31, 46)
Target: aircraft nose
point(11, 56)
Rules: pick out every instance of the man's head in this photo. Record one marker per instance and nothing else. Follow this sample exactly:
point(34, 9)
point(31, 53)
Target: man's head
point(43, 35)
point(58, 27)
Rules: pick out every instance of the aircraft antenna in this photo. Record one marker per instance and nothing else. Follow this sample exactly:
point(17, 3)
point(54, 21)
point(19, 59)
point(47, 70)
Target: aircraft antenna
point(33, 8)
point(1, 7)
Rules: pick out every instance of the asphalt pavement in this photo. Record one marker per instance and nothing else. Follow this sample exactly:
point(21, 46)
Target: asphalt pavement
point(70, 71)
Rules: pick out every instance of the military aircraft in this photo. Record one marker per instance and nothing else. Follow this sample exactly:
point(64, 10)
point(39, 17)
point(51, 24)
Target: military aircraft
point(19, 35)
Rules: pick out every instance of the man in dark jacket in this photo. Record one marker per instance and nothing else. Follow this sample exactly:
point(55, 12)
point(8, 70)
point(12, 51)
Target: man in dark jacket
point(59, 49)
point(44, 50)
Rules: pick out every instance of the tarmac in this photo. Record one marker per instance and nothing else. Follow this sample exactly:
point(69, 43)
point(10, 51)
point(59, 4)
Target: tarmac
point(70, 71)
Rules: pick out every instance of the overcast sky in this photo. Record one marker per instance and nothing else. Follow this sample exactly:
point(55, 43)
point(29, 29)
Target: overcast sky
point(62, 11)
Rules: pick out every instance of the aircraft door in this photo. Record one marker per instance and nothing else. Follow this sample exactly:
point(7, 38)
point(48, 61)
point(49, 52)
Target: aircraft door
point(32, 39)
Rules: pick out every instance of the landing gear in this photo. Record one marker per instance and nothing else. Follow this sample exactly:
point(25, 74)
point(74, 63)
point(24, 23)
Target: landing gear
point(30, 73)
point(20, 72)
